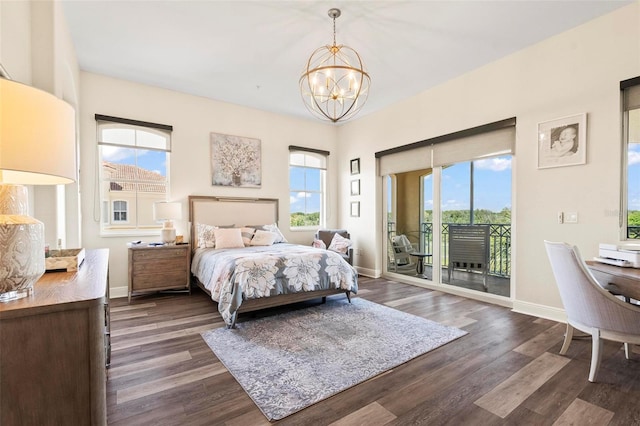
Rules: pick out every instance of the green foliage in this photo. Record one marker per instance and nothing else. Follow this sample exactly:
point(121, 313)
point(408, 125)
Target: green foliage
point(633, 218)
point(299, 219)
point(479, 216)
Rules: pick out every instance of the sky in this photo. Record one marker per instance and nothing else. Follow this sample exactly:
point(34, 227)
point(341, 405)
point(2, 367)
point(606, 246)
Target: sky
point(492, 186)
point(633, 177)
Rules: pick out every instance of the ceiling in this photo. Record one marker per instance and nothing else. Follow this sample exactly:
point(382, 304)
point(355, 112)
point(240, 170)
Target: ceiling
point(252, 53)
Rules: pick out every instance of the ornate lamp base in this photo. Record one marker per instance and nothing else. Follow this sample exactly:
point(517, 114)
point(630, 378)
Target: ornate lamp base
point(21, 244)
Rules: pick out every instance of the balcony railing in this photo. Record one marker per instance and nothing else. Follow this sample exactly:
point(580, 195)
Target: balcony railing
point(499, 241)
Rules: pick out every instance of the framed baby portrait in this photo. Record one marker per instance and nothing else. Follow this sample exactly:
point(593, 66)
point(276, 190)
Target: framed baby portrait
point(562, 142)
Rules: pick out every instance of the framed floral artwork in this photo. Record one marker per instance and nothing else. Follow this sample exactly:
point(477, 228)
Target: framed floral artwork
point(562, 142)
point(235, 161)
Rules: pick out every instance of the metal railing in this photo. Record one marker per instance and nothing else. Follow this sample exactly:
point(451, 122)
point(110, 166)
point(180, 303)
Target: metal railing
point(499, 241)
point(633, 232)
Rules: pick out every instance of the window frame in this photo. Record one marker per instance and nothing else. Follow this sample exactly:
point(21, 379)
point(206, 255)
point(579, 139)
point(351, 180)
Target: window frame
point(114, 211)
point(628, 89)
point(137, 222)
point(322, 156)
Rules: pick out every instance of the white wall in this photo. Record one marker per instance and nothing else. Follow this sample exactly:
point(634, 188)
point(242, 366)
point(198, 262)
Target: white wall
point(36, 49)
point(575, 72)
point(193, 119)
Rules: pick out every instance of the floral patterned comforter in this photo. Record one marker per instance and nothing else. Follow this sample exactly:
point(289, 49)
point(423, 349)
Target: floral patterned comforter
point(234, 275)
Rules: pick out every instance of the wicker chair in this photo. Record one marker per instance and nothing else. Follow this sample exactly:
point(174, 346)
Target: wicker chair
point(589, 307)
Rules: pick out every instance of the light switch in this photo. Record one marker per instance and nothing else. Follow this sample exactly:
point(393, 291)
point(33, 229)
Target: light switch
point(571, 217)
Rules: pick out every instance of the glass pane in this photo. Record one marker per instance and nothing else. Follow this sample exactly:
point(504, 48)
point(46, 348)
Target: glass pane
point(296, 178)
point(456, 193)
point(492, 190)
point(314, 161)
point(476, 245)
point(296, 159)
point(118, 136)
point(154, 162)
point(313, 182)
point(148, 139)
point(633, 175)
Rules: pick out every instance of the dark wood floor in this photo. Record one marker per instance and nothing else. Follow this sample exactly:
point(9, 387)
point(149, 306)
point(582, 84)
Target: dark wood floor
point(505, 371)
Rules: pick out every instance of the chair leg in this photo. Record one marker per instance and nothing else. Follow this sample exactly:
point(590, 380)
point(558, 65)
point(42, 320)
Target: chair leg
point(568, 335)
point(627, 351)
point(596, 354)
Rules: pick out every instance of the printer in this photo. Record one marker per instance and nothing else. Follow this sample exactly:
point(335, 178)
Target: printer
point(626, 255)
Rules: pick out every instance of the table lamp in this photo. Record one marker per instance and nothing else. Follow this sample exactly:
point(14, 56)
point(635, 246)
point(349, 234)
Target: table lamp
point(37, 147)
point(167, 212)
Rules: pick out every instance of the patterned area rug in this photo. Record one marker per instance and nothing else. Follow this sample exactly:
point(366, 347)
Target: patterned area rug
point(289, 361)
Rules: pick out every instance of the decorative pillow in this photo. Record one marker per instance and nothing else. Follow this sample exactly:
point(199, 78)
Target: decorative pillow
point(228, 238)
point(206, 237)
point(319, 244)
point(263, 238)
point(247, 234)
point(274, 228)
point(340, 244)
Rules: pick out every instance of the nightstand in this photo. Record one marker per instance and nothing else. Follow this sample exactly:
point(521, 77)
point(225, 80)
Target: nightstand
point(156, 268)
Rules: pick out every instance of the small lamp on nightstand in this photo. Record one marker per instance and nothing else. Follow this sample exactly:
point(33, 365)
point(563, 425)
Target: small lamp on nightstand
point(167, 212)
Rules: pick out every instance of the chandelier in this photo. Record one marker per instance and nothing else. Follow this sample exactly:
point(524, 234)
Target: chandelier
point(334, 85)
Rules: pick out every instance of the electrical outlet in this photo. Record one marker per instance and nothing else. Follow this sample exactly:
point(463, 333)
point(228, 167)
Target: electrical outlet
point(560, 218)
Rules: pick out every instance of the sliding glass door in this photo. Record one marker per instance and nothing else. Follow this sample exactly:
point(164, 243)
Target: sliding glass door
point(448, 209)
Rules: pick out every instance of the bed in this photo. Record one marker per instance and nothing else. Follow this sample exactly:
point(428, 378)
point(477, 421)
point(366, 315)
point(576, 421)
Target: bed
point(244, 279)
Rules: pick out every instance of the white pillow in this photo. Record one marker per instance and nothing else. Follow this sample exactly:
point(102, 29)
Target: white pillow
point(263, 238)
point(340, 244)
point(274, 228)
point(247, 235)
point(206, 237)
point(319, 244)
point(228, 238)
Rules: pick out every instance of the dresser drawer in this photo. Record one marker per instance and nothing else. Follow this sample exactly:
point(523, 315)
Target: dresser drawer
point(159, 253)
point(159, 281)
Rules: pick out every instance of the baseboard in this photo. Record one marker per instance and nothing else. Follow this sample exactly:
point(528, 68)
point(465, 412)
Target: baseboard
point(371, 273)
point(116, 292)
point(540, 311)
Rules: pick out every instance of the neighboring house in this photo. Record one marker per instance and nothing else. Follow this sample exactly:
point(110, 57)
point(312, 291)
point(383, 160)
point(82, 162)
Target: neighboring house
point(130, 191)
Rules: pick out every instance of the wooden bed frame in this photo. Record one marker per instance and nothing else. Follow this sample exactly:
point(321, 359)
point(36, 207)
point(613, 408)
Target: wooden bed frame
point(225, 211)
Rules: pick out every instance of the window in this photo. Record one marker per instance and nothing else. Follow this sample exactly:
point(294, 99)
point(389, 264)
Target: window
point(119, 211)
point(133, 170)
point(631, 140)
point(307, 182)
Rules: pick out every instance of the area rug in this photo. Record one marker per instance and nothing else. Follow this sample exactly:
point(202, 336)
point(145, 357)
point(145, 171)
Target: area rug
point(290, 361)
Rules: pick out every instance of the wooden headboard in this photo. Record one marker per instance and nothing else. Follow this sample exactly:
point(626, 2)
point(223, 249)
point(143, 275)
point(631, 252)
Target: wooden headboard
point(225, 211)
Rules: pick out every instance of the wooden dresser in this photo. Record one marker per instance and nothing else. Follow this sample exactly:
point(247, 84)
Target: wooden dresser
point(54, 346)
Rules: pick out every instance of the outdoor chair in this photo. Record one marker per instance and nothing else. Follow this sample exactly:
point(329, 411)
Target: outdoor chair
point(469, 250)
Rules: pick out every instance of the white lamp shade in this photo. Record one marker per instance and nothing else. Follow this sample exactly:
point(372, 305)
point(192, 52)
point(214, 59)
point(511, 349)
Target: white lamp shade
point(167, 211)
point(37, 136)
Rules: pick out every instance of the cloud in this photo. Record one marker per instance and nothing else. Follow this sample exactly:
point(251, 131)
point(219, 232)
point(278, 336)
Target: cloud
point(498, 164)
point(633, 157)
point(301, 195)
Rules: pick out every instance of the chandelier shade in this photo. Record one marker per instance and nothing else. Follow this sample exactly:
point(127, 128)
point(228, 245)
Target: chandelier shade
point(334, 85)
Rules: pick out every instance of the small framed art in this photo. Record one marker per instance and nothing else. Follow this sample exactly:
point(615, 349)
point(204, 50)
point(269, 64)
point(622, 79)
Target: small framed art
point(355, 166)
point(355, 209)
point(562, 142)
point(355, 187)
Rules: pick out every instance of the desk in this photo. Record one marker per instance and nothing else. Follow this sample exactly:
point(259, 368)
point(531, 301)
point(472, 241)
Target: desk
point(626, 281)
point(420, 265)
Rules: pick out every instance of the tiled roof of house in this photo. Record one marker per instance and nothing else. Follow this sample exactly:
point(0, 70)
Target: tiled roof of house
point(126, 177)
